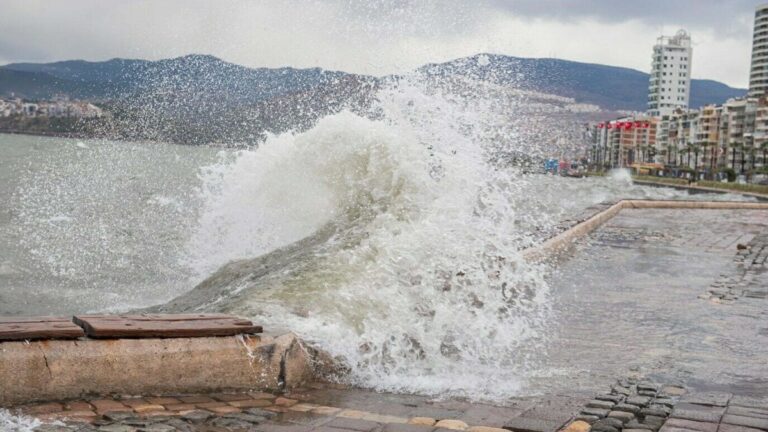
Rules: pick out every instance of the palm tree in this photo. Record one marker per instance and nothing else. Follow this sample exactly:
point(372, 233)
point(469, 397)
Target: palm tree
point(733, 156)
point(764, 147)
point(696, 150)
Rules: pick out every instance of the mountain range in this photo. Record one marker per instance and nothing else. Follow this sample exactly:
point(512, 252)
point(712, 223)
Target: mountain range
point(200, 98)
point(610, 87)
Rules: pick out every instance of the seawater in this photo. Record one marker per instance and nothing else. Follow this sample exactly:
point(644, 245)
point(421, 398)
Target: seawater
point(392, 239)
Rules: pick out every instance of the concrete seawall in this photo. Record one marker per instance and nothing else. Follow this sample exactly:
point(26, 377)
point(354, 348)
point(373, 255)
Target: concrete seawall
point(62, 369)
point(565, 239)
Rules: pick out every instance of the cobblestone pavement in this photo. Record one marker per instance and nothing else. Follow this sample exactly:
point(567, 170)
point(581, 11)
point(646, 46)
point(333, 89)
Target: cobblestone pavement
point(630, 405)
point(320, 407)
point(751, 276)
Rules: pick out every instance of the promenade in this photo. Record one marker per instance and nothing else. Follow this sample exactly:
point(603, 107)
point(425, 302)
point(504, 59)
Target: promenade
point(658, 323)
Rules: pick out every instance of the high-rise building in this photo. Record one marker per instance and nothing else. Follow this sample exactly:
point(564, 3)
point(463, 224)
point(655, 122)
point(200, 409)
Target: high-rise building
point(670, 82)
point(758, 74)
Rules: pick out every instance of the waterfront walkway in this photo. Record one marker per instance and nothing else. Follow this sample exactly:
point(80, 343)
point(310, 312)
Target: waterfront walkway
point(659, 324)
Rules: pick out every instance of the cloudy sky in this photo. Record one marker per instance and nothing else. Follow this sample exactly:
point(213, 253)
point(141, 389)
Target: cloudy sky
point(378, 36)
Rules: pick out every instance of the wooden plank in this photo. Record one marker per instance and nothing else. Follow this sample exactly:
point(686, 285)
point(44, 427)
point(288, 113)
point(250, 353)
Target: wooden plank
point(164, 325)
point(31, 328)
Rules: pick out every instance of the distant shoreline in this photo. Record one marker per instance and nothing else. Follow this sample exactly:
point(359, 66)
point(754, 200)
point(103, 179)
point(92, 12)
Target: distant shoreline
point(45, 134)
point(48, 134)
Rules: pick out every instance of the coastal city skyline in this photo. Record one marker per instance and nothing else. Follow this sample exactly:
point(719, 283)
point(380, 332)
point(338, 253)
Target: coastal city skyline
point(403, 35)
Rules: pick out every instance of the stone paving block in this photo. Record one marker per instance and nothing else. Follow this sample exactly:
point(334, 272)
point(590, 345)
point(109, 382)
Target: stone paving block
point(262, 395)
point(277, 409)
point(46, 408)
point(132, 402)
point(749, 401)
point(303, 407)
point(399, 427)
point(751, 422)
point(196, 399)
point(719, 399)
point(272, 427)
point(487, 429)
point(350, 413)
point(610, 397)
point(664, 401)
point(437, 412)
point(180, 407)
point(116, 416)
point(673, 391)
point(734, 428)
point(303, 418)
point(260, 412)
point(329, 429)
point(634, 409)
point(688, 411)
point(230, 397)
point(326, 410)
point(163, 400)
point(355, 424)
point(226, 409)
point(452, 424)
point(250, 403)
point(658, 412)
point(747, 411)
point(689, 425)
point(197, 416)
point(77, 414)
point(493, 416)
point(621, 390)
point(634, 424)
point(638, 400)
point(654, 421)
point(422, 421)
point(78, 406)
point(382, 418)
point(595, 412)
point(209, 405)
point(281, 401)
point(621, 415)
point(576, 426)
point(587, 418)
point(606, 425)
point(523, 424)
point(649, 386)
point(595, 403)
point(147, 407)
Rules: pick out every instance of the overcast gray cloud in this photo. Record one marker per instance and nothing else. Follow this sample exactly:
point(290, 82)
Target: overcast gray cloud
point(377, 37)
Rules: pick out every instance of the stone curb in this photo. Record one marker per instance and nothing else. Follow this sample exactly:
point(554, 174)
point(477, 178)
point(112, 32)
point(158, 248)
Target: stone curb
point(581, 229)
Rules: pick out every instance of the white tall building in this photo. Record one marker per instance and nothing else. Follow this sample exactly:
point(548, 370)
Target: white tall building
point(758, 74)
point(670, 82)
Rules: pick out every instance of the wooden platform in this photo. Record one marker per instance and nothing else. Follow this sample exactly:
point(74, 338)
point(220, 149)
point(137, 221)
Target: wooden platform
point(22, 328)
point(164, 325)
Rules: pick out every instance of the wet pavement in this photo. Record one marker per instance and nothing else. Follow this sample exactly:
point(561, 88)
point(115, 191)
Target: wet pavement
point(629, 300)
point(633, 301)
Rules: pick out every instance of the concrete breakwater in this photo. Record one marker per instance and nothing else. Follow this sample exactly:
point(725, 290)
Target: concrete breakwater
point(61, 369)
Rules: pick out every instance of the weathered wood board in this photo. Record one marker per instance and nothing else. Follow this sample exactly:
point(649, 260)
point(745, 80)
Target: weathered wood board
point(30, 328)
point(164, 325)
